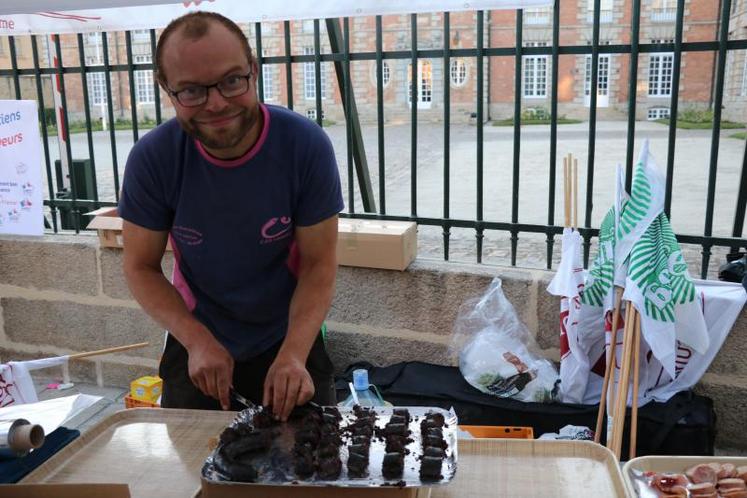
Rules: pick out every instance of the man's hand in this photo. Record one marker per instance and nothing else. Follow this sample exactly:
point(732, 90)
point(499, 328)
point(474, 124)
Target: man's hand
point(211, 368)
point(287, 384)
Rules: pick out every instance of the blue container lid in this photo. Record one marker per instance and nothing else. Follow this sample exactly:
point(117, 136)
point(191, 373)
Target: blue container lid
point(360, 379)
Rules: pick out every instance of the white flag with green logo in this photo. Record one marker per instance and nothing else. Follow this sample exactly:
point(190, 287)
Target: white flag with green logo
point(645, 204)
point(604, 273)
point(662, 291)
point(658, 282)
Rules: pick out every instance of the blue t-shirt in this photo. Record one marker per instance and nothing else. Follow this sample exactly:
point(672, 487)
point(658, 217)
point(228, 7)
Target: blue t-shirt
point(231, 223)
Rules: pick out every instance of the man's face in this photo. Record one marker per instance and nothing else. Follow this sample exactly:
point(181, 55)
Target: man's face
point(227, 127)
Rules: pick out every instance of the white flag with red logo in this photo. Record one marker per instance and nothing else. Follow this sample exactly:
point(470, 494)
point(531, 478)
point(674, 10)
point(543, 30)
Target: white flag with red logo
point(16, 384)
point(568, 284)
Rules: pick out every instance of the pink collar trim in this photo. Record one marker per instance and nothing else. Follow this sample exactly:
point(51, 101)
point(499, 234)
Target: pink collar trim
point(253, 151)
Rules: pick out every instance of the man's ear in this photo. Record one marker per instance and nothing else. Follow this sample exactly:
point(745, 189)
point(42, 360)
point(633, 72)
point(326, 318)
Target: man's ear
point(255, 70)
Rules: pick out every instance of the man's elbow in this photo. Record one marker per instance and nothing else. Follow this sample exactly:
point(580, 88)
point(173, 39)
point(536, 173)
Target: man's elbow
point(135, 271)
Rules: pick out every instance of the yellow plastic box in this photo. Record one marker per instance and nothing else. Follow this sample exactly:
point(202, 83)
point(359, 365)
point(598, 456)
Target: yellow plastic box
point(499, 431)
point(147, 388)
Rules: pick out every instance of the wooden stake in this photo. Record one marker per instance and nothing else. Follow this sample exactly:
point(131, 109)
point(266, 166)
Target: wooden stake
point(107, 350)
point(616, 388)
point(575, 193)
point(566, 193)
point(609, 371)
point(636, 368)
point(623, 382)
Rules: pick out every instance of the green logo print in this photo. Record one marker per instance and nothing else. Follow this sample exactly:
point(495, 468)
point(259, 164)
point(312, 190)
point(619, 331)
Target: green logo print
point(638, 204)
point(602, 273)
point(659, 270)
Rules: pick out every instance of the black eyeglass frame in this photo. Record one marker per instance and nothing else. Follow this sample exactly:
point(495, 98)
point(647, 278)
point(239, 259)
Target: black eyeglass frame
point(247, 78)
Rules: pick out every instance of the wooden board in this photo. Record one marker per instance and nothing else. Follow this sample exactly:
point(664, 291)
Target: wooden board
point(515, 468)
point(674, 464)
point(157, 452)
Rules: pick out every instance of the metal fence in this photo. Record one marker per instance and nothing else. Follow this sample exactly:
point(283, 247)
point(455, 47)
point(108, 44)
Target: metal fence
point(375, 206)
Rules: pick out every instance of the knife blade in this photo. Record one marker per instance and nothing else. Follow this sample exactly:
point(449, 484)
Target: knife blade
point(242, 400)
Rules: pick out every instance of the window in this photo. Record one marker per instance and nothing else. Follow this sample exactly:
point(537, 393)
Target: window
point(605, 11)
point(660, 72)
point(539, 15)
point(425, 86)
point(144, 91)
point(655, 113)
point(96, 84)
point(309, 77)
point(664, 10)
point(140, 36)
point(458, 72)
point(386, 74)
point(93, 48)
point(93, 38)
point(307, 26)
point(535, 73)
point(311, 114)
point(603, 75)
point(268, 82)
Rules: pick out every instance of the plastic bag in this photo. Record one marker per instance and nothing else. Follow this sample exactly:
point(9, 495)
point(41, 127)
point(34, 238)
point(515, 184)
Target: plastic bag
point(497, 355)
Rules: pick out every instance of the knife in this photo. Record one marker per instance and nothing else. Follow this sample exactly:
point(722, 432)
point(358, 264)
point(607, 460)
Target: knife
point(242, 400)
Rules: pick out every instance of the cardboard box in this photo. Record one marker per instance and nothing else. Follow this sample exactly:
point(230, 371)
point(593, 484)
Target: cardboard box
point(109, 227)
point(146, 388)
point(64, 490)
point(389, 245)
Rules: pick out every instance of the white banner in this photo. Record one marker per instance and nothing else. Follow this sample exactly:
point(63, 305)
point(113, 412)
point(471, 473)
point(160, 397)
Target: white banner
point(722, 303)
point(21, 184)
point(17, 386)
point(568, 283)
point(158, 16)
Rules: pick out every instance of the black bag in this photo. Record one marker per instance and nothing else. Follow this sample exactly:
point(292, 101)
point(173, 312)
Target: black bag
point(735, 268)
point(684, 425)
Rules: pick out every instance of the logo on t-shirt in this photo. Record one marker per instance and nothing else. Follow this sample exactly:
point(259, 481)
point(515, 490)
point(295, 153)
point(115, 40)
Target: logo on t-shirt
point(186, 235)
point(276, 229)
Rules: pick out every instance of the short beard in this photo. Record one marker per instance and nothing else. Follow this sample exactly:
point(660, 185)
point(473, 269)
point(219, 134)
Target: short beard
point(247, 119)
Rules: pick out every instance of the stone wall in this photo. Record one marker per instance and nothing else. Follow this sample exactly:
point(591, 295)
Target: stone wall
point(61, 295)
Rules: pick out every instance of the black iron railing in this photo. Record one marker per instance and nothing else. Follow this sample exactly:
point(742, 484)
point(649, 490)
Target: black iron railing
point(357, 165)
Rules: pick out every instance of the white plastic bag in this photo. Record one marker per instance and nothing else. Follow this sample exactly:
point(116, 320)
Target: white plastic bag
point(497, 355)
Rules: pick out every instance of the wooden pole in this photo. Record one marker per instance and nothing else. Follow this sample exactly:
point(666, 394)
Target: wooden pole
point(636, 368)
point(623, 381)
point(107, 350)
point(616, 389)
point(575, 193)
point(566, 193)
point(609, 371)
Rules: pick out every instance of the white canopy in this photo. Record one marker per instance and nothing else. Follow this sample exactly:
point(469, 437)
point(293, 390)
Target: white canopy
point(23, 17)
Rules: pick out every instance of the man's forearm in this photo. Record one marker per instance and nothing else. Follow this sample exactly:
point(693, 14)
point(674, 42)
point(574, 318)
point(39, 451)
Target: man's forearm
point(162, 302)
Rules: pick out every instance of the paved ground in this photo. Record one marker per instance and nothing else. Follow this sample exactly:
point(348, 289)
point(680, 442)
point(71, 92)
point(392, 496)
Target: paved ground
point(112, 400)
point(689, 183)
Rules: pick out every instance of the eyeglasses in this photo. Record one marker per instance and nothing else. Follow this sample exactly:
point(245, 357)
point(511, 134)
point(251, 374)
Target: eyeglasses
point(228, 87)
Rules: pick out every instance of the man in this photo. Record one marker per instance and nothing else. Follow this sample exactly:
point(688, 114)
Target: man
point(248, 196)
